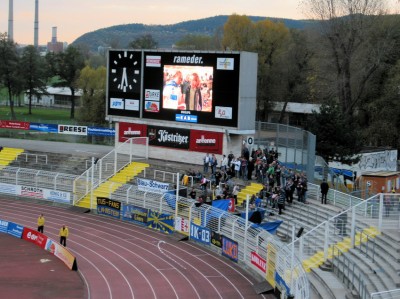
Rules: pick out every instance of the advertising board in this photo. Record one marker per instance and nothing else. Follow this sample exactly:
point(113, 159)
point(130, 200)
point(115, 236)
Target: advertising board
point(180, 86)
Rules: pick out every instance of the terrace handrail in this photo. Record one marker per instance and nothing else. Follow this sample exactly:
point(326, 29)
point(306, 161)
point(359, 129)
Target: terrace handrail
point(104, 168)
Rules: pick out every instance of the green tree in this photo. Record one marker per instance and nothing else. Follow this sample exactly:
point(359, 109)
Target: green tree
point(33, 74)
point(92, 82)
point(9, 75)
point(144, 41)
point(67, 65)
point(337, 139)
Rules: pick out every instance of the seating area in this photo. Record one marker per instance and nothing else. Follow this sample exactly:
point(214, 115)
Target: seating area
point(8, 155)
point(373, 264)
point(112, 184)
point(47, 161)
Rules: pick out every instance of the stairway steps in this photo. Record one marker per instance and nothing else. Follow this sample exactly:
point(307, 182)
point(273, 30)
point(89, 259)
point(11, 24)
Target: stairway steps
point(113, 183)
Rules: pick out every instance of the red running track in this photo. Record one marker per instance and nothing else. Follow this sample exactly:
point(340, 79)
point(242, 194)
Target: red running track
point(118, 260)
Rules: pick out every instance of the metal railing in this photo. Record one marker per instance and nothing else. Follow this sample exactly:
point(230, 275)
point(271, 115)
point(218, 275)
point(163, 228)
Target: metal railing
point(392, 294)
point(36, 157)
point(37, 178)
point(352, 225)
point(349, 272)
point(107, 166)
point(369, 241)
point(250, 238)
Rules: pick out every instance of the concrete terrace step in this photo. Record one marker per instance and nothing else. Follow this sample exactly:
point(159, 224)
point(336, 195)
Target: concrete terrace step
point(65, 163)
point(8, 155)
point(326, 284)
point(112, 184)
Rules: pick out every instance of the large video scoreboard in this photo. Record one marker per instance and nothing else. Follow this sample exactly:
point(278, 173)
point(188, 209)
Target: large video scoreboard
point(208, 88)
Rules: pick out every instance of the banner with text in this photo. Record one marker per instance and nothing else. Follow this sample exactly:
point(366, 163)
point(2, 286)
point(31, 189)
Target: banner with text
point(129, 130)
point(200, 234)
point(258, 261)
point(108, 207)
point(14, 124)
point(216, 239)
point(152, 186)
point(34, 236)
point(168, 137)
point(134, 214)
point(230, 249)
point(206, 142)
point(11, 228)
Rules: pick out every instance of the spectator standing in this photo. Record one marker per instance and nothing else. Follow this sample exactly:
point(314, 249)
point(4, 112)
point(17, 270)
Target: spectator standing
point(206, 163)
point(213, 163)
point(236, 163)
point(230, 158)
point(63, 235)
point(281, 200)
point(243, 168)
point(224, 163)
point(40, 223)
point(235, 193)
point(324, 191)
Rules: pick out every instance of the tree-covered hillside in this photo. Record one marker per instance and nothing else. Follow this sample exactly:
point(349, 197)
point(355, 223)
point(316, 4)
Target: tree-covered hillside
point(120, 36)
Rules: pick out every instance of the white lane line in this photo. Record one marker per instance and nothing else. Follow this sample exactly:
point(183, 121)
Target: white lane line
point(166, 255)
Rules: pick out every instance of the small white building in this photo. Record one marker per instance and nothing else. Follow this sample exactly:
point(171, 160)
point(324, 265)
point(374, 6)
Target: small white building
point(58, 97)
point(295, 113)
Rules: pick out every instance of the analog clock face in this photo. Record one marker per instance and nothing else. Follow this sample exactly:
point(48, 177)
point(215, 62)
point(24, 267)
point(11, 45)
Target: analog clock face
point(124, 70)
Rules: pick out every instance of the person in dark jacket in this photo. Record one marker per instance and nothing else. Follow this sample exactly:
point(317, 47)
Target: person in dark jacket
point(324, 191)
point(281, 200)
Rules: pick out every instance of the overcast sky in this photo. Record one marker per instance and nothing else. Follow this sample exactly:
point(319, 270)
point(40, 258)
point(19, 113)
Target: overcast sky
point(76, 17)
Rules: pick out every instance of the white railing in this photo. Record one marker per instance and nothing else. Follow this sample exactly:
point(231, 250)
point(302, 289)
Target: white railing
point(392, 294)
point(165, 175)
point(37, 157)
point(381, 211)
point(102, 169)
point(280, 258)
point(37, 178)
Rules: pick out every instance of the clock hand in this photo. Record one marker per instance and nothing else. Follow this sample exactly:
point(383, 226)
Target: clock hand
point(124, 80)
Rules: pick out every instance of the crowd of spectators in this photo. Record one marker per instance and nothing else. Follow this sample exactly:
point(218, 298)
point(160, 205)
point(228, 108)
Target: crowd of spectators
point(219, 179)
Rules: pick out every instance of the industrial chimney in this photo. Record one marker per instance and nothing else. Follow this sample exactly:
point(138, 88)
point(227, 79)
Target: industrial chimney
point(10, 20)
point(36, 25)
point(54, 35)
point(54, 45)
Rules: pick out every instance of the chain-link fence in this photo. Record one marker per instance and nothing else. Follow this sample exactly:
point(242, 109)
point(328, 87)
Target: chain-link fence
point(295, 147)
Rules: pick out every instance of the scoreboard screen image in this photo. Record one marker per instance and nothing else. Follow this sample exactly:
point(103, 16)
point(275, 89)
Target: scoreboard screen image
point(178, 86)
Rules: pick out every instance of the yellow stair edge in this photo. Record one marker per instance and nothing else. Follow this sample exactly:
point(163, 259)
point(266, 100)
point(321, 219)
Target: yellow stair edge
point(113, 183)
point(372, 231)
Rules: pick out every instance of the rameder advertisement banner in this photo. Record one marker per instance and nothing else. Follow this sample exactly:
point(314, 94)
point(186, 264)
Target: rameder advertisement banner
point(179, 86)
